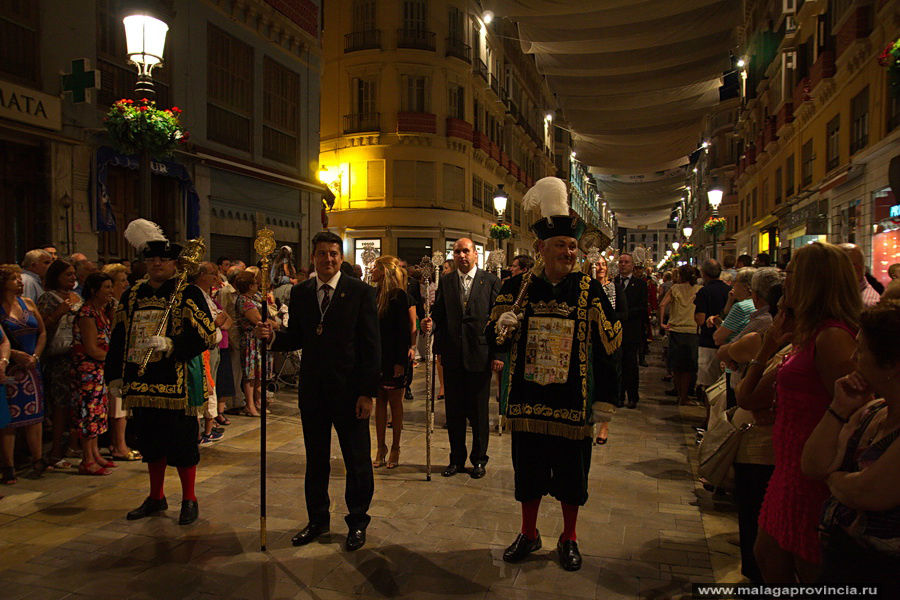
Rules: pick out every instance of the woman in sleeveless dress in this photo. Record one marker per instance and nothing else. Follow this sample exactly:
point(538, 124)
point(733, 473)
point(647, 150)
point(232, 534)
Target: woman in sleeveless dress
point(24, 388)
point(822, 296)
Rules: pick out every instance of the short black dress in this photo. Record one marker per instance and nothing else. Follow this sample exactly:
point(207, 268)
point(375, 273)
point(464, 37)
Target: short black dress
point(395, 331)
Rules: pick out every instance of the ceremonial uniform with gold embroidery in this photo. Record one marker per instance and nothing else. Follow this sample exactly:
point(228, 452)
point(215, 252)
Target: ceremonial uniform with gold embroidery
point(169, 396)
point(561, 362)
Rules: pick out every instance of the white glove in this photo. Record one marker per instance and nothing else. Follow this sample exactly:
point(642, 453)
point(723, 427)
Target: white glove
point(115, 388)
point(509, 319)
point(161, 344)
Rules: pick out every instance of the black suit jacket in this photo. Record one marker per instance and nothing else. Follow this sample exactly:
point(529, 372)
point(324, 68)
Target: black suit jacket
point(343, 363)
point(633, 323)
point(459, 335)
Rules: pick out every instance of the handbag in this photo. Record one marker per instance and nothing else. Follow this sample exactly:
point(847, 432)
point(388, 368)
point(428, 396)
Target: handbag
point(722, 439)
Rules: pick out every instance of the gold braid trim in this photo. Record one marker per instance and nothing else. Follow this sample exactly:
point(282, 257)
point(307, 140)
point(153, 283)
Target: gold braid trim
point(507, 298)
point(572, 432)
point(610, 333)
point(160, 402)
point(199, 321)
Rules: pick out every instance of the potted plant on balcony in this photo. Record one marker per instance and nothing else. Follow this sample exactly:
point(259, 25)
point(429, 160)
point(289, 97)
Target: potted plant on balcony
point(139, 126)
point(501, 232)
point(890, 58)
point(715, 226)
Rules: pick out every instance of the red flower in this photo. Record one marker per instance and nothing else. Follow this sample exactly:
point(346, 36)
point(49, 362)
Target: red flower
point(144, 100)
point(142, 108)
point(175, 109)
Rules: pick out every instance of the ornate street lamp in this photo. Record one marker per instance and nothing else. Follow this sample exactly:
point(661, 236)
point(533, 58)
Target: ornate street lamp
point(500, 200)
point(715, 199)
point(145, 40)
point(687, 230)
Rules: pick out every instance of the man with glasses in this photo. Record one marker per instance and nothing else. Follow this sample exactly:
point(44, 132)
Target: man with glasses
point(165, 400)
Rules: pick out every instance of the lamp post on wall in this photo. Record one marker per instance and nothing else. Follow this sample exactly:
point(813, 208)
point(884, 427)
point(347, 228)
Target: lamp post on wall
point(715, 199)
point(145, 41)
point(501, 199)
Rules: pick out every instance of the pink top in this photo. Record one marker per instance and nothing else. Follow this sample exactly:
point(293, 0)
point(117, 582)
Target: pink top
point(793, 502)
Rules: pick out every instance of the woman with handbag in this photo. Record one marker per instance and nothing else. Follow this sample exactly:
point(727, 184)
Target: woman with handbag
point(58, 305)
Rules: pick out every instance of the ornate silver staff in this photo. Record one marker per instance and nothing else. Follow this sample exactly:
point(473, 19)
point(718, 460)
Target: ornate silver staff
point(368, 259)
point(264, 246)
point(430, 269)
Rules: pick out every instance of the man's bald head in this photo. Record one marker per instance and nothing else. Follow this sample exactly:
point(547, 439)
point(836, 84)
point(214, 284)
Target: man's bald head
point(464, 254)
point(854, 253)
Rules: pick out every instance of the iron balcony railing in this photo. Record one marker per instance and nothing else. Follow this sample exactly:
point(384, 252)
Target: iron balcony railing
point(358, 122)
point(362, 40)
point(415, 38)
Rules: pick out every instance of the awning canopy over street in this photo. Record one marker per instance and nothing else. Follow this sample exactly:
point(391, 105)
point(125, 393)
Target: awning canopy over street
point(634, 80)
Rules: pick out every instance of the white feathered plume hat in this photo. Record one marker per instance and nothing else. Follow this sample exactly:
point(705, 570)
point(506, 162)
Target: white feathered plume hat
point(149, 240)
point(551, 197)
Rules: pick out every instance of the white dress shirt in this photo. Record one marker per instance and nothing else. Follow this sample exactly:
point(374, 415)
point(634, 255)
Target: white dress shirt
point(332, 283)
point(462, 282)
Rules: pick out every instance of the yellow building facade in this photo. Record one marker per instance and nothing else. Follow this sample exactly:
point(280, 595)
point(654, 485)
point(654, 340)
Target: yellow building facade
point(426, 110)
point(818, 126)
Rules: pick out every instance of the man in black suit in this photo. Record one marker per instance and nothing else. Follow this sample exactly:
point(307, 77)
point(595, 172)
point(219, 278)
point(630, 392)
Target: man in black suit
point(334, 319)
point(632, 328)
point(461, 310)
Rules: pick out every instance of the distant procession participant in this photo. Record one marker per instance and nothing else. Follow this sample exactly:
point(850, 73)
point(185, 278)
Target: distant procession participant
point(561, 372)
point(166, 399)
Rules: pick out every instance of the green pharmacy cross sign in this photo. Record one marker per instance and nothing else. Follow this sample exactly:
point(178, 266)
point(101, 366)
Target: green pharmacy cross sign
point(80, 80)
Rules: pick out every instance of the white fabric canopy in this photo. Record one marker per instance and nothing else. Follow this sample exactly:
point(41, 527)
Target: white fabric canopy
point(634, 79)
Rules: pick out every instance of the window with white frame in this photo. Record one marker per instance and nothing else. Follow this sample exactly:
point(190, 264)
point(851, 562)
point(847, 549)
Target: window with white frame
point(414, 90)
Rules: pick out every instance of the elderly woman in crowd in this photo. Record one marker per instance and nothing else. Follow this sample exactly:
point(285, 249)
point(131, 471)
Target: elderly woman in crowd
point(822, 295)
point(93, 325)
point(22, 324)
point(118, 449)
point(855, 450)
point(683, 336)
point(247, 308)
point(58, 305)
point(755, 459)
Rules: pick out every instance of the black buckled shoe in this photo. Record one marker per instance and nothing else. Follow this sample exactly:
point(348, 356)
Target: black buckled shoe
point(190, 510)
point(309, 533)
point(356, 539)
point(477, 472)
point(452, 470)
point(522, 547)
point(149, 508)
point(569, 556)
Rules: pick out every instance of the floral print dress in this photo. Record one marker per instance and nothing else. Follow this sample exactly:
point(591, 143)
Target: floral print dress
point(251, 358)
point(91, 409)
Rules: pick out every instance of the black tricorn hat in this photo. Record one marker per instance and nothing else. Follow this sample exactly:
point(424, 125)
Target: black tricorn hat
point(161, 249)
point(569, 226)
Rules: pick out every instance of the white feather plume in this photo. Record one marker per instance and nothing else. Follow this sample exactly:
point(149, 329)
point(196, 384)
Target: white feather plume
point(141, 231)
point(550, 195)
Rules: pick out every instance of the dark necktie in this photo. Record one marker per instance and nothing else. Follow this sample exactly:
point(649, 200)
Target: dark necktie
point(326, 297)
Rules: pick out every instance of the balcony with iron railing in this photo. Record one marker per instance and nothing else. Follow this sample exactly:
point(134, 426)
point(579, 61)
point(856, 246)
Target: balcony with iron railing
point(480, 68)
point(362, 40)
point(457, 48)
point(360, 122)
point(417, 39)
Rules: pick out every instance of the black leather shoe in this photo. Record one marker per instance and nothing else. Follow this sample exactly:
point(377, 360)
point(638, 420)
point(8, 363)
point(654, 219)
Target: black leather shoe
point(477, 472)
point(408, 395)
point(452, 470)
point(631, 404)
point(149, 508)
point(309, 533)
point(569, 556)
point(356, 539)
point(189, 512)
point(522, 547)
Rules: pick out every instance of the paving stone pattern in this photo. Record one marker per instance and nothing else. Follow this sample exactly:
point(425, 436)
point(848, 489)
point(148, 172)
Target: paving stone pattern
point(647, 531)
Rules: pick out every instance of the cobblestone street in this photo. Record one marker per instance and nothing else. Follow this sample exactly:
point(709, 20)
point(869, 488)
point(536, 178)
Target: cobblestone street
point(647, 531)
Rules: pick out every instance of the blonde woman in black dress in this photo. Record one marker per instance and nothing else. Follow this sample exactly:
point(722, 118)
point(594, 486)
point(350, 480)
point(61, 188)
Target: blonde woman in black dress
point(397, 350)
